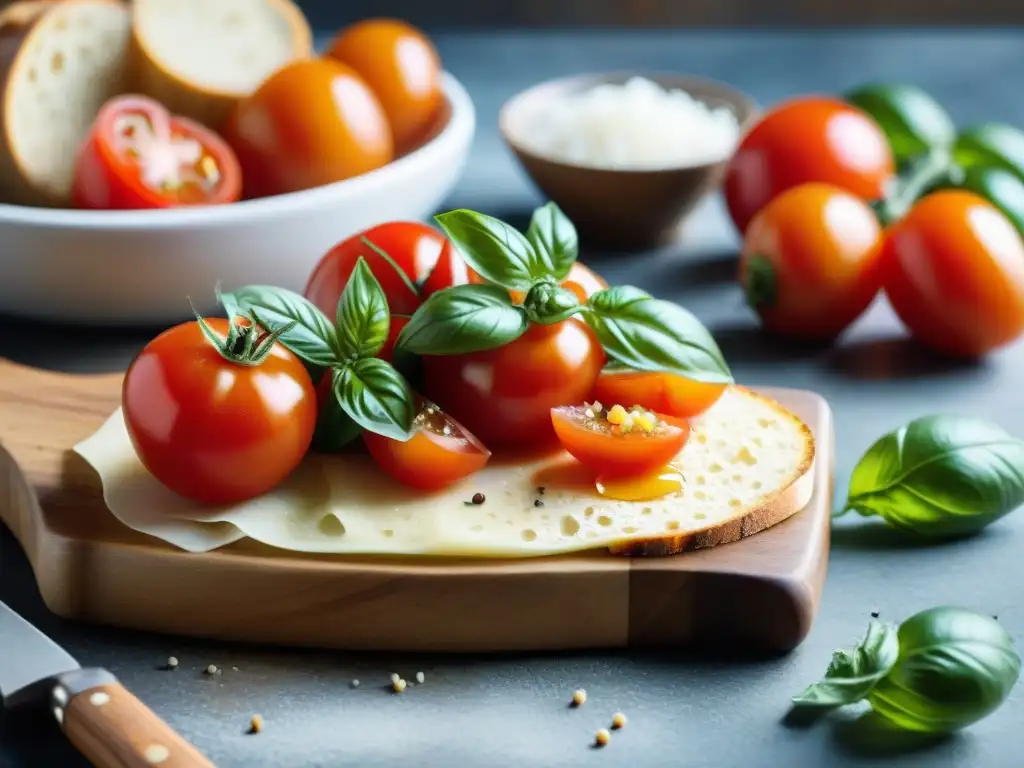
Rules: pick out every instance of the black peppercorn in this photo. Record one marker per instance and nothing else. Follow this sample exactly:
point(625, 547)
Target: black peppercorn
point(479, 498)
point(538, 503)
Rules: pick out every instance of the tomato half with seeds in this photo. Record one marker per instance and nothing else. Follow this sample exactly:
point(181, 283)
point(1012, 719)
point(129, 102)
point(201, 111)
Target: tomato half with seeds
point(505, 395)
point(636, 444)
point(440, 453)
point(138, 155)
point(212, 425)
point(812, 261)
point(955, 274)
point(803, 140)
point(665, 393)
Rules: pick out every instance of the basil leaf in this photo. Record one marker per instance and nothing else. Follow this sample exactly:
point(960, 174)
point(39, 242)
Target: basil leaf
point(648, 334)
point(548, 303)
point(312, 338)
point(493, 248)
point(854, 672)
point(912, 120)
point(362, 317)
point(992, 145)
point(955, 667)
point(335, 429)
point(376, 397)
point(554, 240)
point(463, 319)
point(940, 476)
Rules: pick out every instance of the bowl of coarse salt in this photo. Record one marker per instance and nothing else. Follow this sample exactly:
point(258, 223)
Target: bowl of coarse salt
point(627, 156)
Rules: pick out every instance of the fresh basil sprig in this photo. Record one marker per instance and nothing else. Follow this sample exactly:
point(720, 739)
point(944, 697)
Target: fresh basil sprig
point(940, 476)
point(554, 238)
point(942, 670)
point(369, 392)
point(495, 250)
point(463, 319)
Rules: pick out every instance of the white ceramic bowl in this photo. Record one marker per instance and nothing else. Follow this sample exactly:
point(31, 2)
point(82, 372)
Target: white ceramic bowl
point(140, 267)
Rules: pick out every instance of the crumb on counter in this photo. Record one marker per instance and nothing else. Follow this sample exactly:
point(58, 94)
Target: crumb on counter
point(398, 685)
point(234, 668)
point(395, 677)
point(211, 669)
point(172, 662)
point(618, 721)
point(355, 683)
point(602, 737)
point(579, 696)
point(420, 677)
point(256, 724)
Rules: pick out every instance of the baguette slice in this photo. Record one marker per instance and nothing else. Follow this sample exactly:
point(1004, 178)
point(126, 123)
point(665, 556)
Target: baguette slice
point(748, 465)
point(64, 60)
point(200, 57)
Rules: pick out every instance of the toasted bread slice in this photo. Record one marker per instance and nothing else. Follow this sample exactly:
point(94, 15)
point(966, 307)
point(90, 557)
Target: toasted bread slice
point(200, 57)
point(65, 59)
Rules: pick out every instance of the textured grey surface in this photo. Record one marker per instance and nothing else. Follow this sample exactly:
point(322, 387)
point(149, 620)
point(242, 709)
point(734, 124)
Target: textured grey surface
point(683, 710)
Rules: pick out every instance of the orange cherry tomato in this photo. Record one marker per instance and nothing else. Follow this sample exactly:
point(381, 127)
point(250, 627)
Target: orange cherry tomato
point(581, 280)
point(664, 393)
point(955, 274)
point(612, 451)
point(811, 261)
point(138, 155)
point(505, 395)
point(440, 453)
point(214, 430)
point(802, 140)
point(401, 65)
point(313, 122)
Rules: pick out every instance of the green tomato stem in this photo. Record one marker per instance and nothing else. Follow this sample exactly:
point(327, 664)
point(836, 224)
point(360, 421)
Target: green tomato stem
point(248, 345)
point(921, 176)
point(761, 285)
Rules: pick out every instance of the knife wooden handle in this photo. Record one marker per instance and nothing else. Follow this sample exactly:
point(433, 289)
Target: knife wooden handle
point(113, 729)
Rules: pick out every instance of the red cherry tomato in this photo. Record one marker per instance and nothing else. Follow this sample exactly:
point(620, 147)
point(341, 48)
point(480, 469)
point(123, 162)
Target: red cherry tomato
point(663, 393)
point(955, 274)
point(611, 450)
point(811, 261)
point(213, 430)
point(450, 270)
point(138, 155)
point(802, 140)
point(505, 395)
point(440, 453)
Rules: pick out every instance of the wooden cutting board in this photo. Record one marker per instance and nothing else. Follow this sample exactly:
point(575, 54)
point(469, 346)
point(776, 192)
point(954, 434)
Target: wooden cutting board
point(761, 592)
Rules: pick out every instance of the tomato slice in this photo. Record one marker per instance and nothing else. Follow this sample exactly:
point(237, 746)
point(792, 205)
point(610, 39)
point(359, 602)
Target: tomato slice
point(138, 155)
point(665, 393)
point(617, 442)
point(440, 453)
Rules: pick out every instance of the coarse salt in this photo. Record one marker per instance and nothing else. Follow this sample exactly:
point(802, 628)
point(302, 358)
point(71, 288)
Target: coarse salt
point(637, 125)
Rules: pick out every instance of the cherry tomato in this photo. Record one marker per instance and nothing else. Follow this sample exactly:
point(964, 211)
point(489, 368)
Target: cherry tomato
point(811, 261)
point(955, 274)
point(313, 122)
point(802, 140)
point(612, 450)
point(214, 430)
point(440, 453)
point(138, 155)
point(401, 65)
point(505, 395)
point(665, 393)
point(450, 270)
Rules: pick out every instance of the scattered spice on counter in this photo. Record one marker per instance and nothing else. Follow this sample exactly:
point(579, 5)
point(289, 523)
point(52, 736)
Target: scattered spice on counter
point(355, 683)
point(618, 721)
point(420, 678)
point(398, 685)
point(256, 724)
point(478, 499)
point(602, 737)
point(395, 677)
point(874, 614)
point(172, 662)
point(579, 696)
point(540, 490)
point(538, 503)
point(211, 669)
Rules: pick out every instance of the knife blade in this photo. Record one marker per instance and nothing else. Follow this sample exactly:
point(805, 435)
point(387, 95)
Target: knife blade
point(103, 721)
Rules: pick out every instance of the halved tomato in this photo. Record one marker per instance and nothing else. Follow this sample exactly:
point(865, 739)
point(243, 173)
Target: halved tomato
point(616, 442)
point(666, 393)
point(440, 453)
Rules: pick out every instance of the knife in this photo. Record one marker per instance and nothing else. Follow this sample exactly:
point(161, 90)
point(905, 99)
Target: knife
point(104, 722)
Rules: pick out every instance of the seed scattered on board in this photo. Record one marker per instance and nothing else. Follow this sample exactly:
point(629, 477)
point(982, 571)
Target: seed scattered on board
point(579, 696)
point(355, 683)
point(256, 724)
point(618, 721)
point(172, 662)
point(398, 685)
point(420, 678)
point(212, 669)
point(602, 737)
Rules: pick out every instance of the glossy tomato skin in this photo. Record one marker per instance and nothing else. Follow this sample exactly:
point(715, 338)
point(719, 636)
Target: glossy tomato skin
point(808, 139)
point(955, 274)
point(106, 178)
point(413, 247)
point(449, 270)
point(211, 430)
point(664, 393)
point(822, 248)
point(505, 395)
point(311, 123)
point(402, 67)
point(440, 453)
point(616, 454)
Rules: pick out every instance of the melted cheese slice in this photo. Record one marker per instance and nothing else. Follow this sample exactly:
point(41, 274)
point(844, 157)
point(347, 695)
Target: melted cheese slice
point(743, 450)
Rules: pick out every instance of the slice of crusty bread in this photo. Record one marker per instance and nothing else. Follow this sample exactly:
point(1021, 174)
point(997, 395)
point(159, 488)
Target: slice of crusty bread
point(65, 59)
point(200, 57)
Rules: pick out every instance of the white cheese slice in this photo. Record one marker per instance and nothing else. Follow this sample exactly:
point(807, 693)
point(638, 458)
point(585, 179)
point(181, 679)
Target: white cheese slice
point(743, 451)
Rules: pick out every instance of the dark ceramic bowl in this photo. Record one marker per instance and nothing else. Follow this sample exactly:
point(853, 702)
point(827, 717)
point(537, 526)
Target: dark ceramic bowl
point(621, 209)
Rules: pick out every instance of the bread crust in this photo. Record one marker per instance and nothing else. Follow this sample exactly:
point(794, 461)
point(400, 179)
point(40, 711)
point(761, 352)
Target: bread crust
point(786, 500)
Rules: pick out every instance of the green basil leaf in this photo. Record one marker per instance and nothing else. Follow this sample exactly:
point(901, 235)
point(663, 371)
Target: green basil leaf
point(494, 249)
point(993, 145)
point(376, 397)
point(913, 121)
point(648, 334)
point(854, 672)
point(955, 666)
point(940, 476)
point(463, 319)
point(1001, 188)
point(362, 319)
point(335, 430)
point(548, 303)
point(554, 240)
point(312, 338)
